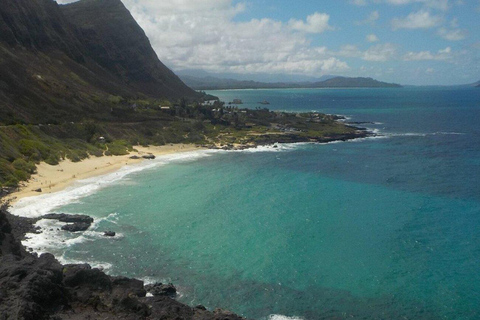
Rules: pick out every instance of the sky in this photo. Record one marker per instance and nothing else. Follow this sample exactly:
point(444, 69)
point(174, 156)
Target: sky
point(412, 42)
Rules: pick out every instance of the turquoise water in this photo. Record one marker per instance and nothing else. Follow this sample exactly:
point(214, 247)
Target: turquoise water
point(384, 228)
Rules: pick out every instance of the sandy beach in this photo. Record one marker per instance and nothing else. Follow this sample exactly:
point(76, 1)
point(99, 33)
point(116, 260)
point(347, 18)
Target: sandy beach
point(50, 179)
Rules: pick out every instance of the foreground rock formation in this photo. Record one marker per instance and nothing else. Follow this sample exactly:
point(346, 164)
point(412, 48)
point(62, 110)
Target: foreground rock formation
point(39, 288)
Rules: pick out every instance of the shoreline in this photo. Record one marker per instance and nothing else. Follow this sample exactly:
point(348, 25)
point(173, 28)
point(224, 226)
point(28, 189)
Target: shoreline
point(57, 178)
point(50, 179)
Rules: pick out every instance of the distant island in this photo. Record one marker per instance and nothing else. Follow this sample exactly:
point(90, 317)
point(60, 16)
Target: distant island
point(214, 83)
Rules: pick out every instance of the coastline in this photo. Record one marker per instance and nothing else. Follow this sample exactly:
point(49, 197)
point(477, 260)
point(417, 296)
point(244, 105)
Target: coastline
point(57, 178)
point(51, 179)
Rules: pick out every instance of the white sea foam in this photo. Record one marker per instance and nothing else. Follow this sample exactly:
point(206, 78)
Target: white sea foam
point(105, 266)
point(282, 317)
point(449, 133)
point(276, 147)
point(54, 240)
point(344, 118)
point(417, 134)
point(37, 206)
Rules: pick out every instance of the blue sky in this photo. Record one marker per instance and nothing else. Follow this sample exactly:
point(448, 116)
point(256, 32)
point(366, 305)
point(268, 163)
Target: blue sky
point(420, 42)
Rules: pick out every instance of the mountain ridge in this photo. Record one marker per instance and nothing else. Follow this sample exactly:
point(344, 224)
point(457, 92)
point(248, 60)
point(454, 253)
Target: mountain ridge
point(212, 83)
point(53, 61)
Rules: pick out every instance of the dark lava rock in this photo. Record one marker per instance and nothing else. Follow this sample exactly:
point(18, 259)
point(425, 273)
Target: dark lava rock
point(83, 275)
point(77, 222)
point(109, 234)
point(69, 217)
point(148, 156)
point(77, 226)
point(160, 289)
point(31, 288)
point(135, 157)
point(38, 190)
point(129, 286)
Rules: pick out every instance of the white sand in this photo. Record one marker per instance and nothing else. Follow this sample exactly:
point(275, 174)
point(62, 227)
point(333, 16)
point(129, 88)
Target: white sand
point(56, 178)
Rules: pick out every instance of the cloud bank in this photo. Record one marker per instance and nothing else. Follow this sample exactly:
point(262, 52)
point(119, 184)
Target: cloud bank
point(191, 34)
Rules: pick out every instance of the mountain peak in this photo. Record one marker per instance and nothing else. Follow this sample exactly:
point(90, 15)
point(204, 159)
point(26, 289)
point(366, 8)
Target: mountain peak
point(67, 58)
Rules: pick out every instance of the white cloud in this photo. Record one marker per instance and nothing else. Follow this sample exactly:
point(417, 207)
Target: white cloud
point(452, 35)
point(359, 2)
point(191, 34)
point(417, 20)
point(434, 4)
point(442, 5)
point(316, 23)
point(441, 55)
point(350, 51)
point(380, 52)
point(372, 38)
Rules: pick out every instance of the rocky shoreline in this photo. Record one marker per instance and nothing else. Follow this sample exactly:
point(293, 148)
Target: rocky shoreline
point(39, 287)
point(274, 139)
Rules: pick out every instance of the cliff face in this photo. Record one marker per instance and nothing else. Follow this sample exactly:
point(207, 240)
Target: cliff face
point(63, 62)
point(37, 25)
point(116, 42)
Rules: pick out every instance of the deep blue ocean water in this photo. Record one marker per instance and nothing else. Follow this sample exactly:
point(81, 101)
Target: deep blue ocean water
point(380, 228)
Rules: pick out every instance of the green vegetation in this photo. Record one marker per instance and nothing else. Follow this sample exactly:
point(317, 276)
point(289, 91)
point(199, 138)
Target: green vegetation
point(155, 122)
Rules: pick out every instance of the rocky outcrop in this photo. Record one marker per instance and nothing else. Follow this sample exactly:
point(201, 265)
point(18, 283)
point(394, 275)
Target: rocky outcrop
point(160, 289)
point(62, 217)
point(76, 222)
point(75, 227)
point(38, 288)
point(148, 156)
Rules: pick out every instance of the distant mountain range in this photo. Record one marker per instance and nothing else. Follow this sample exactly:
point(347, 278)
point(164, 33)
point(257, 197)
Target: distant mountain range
point(214, 83)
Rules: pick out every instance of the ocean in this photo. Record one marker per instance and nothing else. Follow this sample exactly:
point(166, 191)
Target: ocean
point(386, 227)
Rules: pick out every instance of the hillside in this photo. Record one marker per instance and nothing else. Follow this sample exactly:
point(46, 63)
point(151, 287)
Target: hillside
point(65, 62)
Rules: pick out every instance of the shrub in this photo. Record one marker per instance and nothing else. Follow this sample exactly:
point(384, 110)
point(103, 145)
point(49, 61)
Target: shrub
point(118, 148)
point(25, 166)
point(53, 159)
point(33, 149)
